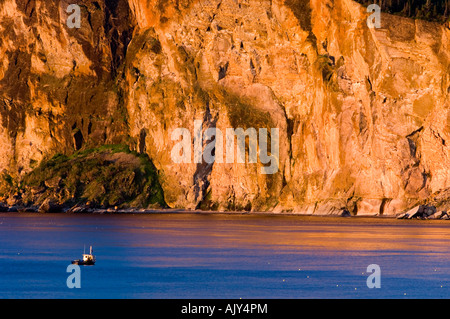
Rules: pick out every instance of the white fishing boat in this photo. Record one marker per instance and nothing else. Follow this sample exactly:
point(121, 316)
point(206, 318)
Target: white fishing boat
point(88, 259)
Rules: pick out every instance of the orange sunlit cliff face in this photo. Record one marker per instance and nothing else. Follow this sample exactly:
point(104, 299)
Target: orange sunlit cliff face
point(362, 113)
point(155, 13)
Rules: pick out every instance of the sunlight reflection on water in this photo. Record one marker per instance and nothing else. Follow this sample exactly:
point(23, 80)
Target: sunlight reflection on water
point(223, 256)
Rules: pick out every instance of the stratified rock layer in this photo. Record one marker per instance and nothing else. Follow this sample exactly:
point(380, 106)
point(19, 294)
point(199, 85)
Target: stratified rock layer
point(363, 114)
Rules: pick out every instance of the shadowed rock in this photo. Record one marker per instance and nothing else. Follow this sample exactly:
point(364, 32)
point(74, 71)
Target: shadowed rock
point(3, 208)
point(49, 206)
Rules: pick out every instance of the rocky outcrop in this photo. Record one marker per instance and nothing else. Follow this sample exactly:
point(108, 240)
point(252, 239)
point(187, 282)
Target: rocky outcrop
point(363, 114)
point(424, 212)
point(110, 176)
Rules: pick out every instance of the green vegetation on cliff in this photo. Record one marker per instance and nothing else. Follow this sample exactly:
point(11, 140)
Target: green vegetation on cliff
point(108, 176)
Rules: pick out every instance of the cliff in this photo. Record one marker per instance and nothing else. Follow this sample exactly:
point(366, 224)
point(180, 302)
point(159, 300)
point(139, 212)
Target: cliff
point(363, 114)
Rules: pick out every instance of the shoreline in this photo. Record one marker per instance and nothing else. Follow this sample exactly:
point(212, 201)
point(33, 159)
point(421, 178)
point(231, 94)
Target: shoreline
point(419, 212)
point(165, 211)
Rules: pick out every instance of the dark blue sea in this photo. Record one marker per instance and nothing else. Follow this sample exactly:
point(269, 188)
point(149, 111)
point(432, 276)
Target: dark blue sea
point(223, 256)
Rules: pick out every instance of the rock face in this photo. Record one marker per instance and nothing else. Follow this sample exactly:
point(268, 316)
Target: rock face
point(363, 114)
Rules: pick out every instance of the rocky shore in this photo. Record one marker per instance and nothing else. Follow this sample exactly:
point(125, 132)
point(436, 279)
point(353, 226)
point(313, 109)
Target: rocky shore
point(49, 207)
point(420, 212)
point(425, 212)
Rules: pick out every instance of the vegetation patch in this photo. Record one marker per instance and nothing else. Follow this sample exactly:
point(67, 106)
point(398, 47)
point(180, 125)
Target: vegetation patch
point(107, 176)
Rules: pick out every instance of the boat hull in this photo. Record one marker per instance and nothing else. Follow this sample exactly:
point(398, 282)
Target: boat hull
point(83, 263)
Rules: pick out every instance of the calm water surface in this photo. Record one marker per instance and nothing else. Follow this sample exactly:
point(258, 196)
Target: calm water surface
point(223, 256)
